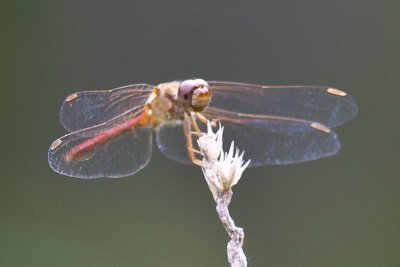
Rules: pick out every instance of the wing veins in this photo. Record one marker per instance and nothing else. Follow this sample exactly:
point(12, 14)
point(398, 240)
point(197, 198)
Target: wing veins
point(236, 117)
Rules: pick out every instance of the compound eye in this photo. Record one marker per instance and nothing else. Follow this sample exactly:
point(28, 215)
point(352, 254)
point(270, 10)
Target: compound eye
point(186, 88)
point(201, 83)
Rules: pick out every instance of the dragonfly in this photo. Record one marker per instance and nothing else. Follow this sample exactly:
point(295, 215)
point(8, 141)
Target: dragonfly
point(111, 131)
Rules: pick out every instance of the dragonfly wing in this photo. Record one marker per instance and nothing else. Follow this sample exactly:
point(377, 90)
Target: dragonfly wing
point(265, 140)
point(325, 105)
point(269, 140)
point(172, 142)
point(89, 108)
point(121, 156)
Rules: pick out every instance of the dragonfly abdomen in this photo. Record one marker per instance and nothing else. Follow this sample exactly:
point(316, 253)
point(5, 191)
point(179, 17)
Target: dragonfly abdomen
point(83, 150)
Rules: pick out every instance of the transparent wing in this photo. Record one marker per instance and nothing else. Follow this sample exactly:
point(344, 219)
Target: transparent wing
point(89, 108)
point(276, 140)
point(266, 140)
point(172, 142)
point(325, 105)
point(121, 156)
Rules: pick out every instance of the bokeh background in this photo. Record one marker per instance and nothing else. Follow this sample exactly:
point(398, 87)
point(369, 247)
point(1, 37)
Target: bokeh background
point(339, 211)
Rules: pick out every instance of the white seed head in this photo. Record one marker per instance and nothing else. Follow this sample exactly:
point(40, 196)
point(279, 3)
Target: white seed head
point(230, 166)
point(221, 170)
point(210, 144)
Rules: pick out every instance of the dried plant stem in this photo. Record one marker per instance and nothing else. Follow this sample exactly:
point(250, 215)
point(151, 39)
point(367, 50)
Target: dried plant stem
point(236, 256)
point(222, 171)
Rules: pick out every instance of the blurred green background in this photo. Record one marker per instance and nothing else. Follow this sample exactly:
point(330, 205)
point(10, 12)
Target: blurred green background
point(339, 211)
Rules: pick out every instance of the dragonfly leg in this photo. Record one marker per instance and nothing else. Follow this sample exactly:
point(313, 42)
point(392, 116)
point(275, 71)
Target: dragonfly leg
point(214, 122)
point(196, 133)
point(196, 151)
point(196, 127)
point(204, 120)
point(187, 125)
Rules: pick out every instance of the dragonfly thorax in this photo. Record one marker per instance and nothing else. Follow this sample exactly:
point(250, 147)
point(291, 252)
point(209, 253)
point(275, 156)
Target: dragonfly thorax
point(173, 99)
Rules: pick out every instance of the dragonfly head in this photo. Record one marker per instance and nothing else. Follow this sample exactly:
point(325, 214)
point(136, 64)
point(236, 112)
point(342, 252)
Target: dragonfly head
point(195, 94)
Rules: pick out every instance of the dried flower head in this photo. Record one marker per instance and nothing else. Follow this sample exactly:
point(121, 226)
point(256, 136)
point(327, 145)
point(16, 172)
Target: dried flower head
point(230, 166)
point(221, 170)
